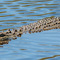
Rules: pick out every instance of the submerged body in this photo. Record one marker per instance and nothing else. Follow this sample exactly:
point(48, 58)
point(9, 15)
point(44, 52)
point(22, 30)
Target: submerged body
point(42, 25)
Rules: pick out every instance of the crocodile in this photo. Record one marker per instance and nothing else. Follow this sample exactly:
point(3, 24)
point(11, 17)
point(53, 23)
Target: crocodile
point(41, 25)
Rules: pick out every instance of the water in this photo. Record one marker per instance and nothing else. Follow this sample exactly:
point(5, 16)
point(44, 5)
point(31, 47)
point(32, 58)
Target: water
point(35, 46)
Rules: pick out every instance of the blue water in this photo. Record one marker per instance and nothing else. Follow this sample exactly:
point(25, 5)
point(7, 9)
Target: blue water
point(35, 46)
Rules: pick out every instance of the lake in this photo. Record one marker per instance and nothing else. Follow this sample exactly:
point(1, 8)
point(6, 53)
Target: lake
point(35, 46)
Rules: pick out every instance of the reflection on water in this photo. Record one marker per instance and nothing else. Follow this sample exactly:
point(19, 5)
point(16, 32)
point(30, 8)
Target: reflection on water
point(50, 57)
point(35, 46)
point(14, 10)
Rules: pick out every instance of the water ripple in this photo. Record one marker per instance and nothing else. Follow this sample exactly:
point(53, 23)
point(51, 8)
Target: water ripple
point(37, 46)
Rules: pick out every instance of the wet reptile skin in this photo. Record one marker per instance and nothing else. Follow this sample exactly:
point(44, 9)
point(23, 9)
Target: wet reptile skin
point(42, 25)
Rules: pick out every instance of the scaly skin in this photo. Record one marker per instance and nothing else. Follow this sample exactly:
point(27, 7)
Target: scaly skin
point(42, 25)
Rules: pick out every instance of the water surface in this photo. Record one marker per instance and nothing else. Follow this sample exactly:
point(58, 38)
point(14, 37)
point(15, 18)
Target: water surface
point(35, 46)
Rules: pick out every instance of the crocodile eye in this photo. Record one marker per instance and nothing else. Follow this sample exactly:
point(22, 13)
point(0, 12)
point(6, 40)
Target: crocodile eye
point(2, 35)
